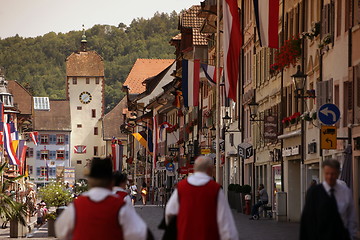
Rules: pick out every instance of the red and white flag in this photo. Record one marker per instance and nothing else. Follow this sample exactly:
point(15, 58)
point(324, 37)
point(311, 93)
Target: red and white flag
point(232, 47)
point(267, 22)
point(117, 155)
point(190, 82)
point(33, 136)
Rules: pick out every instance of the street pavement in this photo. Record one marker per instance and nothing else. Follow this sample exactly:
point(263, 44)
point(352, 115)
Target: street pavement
point(263, 229)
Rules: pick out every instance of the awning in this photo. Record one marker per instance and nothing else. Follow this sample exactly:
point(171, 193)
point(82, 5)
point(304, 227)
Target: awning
point(291, 134)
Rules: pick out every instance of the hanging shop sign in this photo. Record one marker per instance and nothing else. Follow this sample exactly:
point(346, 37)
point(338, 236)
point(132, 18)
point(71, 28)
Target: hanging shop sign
point(245, 150)
point(170, 167)
point(291, 151)
point(204, 151)
point(270, 128)
point(174, 149)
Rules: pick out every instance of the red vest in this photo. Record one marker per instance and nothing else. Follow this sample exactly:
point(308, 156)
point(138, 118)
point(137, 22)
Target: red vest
point(97, 220)
point(197, 218)
point(122, 194)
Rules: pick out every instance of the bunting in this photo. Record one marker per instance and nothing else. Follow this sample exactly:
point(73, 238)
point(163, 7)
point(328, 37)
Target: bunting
point(190, 82)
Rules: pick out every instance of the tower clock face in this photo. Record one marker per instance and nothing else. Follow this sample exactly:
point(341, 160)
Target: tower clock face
point(85, 97)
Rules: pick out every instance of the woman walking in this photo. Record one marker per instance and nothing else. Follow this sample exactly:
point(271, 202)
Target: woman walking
point(144, 192)
point(133, 192)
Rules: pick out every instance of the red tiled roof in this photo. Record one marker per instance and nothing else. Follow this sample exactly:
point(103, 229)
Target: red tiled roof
point(190, 19)
point(199, 38)
point(143, 69)
point(177, 37)
point(56, 119)
point(85, 64)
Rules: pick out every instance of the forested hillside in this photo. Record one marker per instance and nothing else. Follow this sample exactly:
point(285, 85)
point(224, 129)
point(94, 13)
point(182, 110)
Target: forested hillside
point(39, 63)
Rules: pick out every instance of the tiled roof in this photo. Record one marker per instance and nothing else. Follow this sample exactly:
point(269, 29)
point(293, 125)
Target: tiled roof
point(85, 64)
point(190, 19)
point(199, 38)
point(143, 69)
point(22, 97)
point(113, 120)
point(57, 119)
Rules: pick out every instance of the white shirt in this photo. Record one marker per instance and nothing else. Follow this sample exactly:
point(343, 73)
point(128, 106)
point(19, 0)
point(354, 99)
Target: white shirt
point(134, 228)
point(225, 220)
point(345, 206)
point(120, 189)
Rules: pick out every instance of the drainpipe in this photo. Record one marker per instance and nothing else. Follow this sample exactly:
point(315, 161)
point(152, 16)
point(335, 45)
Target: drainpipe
point(240, 100)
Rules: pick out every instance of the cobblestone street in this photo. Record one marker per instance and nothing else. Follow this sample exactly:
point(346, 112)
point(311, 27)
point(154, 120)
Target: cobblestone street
point(263, 229)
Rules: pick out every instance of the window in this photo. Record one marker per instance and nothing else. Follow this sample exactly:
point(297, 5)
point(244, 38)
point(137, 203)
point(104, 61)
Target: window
point(60, 154)
point(79, 126)
point(43, 171)
point(93, 113)
point(80, 149)
point(44, 154)
point(30, 169)
point(52, 171)
point(41, 103)
point(96, 131)
point(74, 80)
point(87, 80)
point(60, 139)
point(30, 152)
point(44, 139)
point(79, 108)
point(78, 162)
point(338, 17)
point(96, 151)
point(97, 80)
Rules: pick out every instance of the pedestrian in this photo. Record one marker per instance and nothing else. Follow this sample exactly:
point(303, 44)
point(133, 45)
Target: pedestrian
point(120, 181)
point(329, 208)
point(263, 199)
point(161, 195)
point(40, 215)
point(144, 192)
point(133, 192)
point(200, 208)
point(98, 213)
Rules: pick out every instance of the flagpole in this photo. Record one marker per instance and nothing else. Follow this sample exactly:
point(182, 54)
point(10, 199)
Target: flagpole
point(218, 92)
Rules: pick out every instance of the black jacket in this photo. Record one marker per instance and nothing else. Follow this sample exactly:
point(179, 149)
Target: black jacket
point(320, 218)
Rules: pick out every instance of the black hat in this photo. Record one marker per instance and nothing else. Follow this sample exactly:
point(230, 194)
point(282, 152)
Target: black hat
point(101, 168)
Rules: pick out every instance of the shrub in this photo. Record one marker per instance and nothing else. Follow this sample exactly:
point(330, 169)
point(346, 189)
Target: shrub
point(238, 188)
point(55, 194)
point(246, 189)
point(231, 187)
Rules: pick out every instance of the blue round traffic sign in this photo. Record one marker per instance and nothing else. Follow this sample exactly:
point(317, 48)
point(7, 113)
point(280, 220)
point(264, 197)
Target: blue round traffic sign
point(170, 167)
point(329, 114)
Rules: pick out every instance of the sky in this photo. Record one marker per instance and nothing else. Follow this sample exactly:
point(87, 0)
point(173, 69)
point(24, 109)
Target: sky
point(31, 18)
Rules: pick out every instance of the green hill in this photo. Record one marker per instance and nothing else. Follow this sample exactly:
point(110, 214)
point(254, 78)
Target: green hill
point(39, 63)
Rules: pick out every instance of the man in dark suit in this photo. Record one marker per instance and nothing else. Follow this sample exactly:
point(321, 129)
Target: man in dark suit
point(329, 209)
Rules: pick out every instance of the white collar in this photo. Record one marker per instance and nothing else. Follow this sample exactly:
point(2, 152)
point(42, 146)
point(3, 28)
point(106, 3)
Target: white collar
point(198, 179)
point(327, 186)
point(118, 189)
point(98, 194)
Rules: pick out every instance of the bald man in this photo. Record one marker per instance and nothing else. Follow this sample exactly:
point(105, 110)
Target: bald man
point(200, 206)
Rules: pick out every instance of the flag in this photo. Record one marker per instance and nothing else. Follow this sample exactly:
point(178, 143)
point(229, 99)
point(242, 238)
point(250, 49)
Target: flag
point(155, 138)
point(232, 46)
point(162, 127)
point(21, 154)
point(141, 137)
point(117, 155)
point(267, 21)
point(190, 82)
point(2, 117)
point(33, 136)
point(177, 100)
point(209, 72)
point(8, 145)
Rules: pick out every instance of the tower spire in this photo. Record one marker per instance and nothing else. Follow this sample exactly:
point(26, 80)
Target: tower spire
point(83, 40)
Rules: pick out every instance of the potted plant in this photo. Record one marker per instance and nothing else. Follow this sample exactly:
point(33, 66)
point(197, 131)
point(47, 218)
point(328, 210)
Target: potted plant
point(237, 198)
point(10, 210)
point(51, 217)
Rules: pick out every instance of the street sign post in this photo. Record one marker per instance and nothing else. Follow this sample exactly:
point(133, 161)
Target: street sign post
point(328, 137)
point(329, 114)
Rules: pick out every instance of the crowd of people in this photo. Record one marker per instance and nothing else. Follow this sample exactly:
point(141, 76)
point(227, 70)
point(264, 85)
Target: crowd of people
point(197, 208)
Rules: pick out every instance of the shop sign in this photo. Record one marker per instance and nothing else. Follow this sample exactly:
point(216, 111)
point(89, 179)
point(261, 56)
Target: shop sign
point(270, 128)
point(69, 175)
point(205, 151)
point(222, 145)
point(174, 149)
point(245, 150)
point(170, 167)
point(291, 151)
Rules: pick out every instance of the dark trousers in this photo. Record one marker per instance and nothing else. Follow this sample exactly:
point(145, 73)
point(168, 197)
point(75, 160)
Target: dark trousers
point(255, 209)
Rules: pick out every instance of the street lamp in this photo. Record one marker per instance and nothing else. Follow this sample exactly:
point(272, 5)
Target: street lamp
point(205, 130)
point(254, 107)
point(227, 120)
point(213, 131)
point(190, 148)
point(299, 80)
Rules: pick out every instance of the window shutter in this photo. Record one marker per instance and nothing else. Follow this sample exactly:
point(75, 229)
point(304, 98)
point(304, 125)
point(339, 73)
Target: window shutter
point(66, 139)
point(38, 171)
point(67, 155)
point(38, 155)
point(324, 20)
point(357, 96)
point(52, 139)
point(52, 154)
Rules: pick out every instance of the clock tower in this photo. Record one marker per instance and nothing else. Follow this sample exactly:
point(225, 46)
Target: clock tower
point(85, 86)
